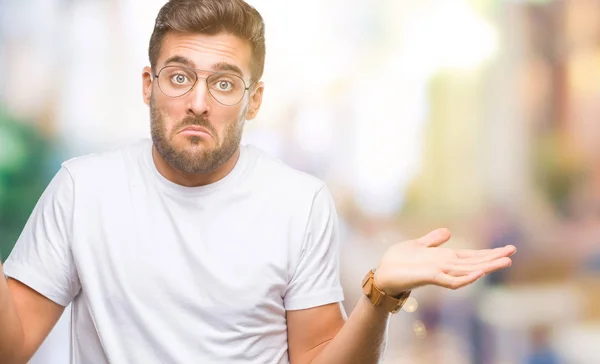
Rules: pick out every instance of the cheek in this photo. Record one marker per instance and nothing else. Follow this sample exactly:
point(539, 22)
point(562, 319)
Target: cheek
point(226, 121)
point(169, 115)
point(233, 115)
point(242, 110)
point(173, 113)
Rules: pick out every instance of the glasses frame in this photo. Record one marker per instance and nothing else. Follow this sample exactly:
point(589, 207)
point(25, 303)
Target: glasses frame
point(194, 71)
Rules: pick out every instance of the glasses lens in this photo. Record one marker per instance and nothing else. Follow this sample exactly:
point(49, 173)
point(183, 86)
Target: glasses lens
point(227, 89)
point(176, 81)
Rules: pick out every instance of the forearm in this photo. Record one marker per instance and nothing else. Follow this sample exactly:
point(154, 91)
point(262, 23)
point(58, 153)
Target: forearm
point(11, 330)
point(361, 340)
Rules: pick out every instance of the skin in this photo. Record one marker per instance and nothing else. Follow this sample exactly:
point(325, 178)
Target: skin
point(404, 266)
point(199, 160)
point(315, 335)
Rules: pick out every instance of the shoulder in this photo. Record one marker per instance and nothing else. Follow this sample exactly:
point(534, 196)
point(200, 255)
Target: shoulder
point(102, 165)
point(289, 191)
point(280, 178)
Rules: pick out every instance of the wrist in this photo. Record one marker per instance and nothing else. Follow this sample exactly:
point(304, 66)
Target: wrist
point(385, 285)
point(379, 298)
point(378, 309)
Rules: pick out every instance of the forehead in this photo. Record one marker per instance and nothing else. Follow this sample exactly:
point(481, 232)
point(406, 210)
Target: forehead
point(205, 52)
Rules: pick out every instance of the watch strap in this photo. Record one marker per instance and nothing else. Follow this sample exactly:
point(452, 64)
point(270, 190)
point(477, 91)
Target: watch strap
point(380, 298)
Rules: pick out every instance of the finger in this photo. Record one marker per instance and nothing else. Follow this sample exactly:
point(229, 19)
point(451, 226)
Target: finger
point(458, 271)
point(452, 282)
point(487, 267)
point(435, 238)
point(474, 253)
point(491, 255)
point(495, 265)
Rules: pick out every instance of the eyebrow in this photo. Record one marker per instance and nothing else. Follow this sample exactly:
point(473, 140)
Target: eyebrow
point(224, 66)
point(180, 59)
point(217, 67)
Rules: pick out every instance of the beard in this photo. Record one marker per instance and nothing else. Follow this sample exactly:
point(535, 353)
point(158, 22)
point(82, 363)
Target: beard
point(193, 158)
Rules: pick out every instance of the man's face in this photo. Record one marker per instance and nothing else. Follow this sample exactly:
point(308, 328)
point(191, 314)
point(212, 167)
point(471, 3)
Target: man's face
point(194, 133)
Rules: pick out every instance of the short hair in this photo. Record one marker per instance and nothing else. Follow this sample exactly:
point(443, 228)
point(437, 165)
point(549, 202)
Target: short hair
point(211, 17)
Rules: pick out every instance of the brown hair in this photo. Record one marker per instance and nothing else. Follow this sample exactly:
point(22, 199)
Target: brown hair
point(212, 17)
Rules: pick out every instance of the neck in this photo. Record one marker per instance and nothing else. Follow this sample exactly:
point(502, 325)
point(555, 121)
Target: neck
point(193, 179)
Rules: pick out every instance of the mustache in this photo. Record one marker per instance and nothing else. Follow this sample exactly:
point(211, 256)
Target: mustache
point(196, 121)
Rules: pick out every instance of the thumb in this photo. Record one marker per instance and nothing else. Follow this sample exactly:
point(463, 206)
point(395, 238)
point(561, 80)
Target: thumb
point(435, 238)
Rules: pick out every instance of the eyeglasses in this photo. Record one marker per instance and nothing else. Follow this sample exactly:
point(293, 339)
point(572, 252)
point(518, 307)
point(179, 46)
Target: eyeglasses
point(226, 88)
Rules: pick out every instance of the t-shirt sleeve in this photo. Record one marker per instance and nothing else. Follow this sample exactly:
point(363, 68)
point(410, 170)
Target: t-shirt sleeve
point(316, 281)
point(42, 258)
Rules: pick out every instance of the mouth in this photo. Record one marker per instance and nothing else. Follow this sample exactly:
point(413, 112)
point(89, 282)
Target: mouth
point(196, 131)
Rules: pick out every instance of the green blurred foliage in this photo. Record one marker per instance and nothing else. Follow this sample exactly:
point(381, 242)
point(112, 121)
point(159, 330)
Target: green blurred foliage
point(26, 167)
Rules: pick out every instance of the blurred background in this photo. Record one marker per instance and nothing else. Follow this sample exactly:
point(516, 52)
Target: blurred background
point(481, 116)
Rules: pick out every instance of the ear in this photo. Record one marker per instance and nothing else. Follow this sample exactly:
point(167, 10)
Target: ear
point(255, 100)
point(147, 84)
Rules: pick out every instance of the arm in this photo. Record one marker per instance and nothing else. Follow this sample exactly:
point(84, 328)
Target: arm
point(42, 278)
point(11, 330)
point(27, 318)
point(405, 266)
point(321, 335)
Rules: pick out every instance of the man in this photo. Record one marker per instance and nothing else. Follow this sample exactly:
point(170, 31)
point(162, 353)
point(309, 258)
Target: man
point(191, 248)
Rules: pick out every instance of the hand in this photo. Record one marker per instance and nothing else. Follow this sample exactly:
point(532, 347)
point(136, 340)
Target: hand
point(414, 263)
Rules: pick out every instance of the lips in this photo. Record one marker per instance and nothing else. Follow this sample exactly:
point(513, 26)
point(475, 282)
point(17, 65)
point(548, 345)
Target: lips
point(195, 130)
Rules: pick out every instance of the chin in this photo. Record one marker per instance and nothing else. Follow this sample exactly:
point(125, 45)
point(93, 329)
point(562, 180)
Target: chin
point(194, 151)
point(193, 142)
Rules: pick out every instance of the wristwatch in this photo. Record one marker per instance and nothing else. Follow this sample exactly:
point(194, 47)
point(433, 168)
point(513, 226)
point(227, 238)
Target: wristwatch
point(379, 298)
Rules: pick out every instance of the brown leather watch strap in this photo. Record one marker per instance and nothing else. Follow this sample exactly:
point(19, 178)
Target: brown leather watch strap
point(379, 298)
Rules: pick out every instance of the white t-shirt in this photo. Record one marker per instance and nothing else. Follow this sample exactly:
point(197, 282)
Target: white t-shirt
point(161, 273)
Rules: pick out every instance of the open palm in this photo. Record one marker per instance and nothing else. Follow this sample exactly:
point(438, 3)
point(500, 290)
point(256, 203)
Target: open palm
point(421, 262)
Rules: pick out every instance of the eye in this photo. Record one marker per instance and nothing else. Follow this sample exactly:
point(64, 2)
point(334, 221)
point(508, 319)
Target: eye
point(223, 85)
point(179, 78)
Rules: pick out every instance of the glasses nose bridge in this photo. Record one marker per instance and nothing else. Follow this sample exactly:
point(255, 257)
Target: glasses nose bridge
point(197, 81)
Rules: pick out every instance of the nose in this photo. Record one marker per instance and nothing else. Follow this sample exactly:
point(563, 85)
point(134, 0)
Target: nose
point(199, 99)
